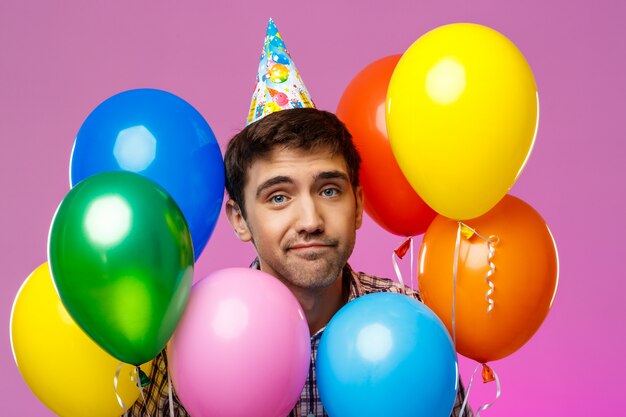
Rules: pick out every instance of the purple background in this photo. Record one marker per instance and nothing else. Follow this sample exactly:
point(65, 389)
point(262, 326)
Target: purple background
point(58, 60)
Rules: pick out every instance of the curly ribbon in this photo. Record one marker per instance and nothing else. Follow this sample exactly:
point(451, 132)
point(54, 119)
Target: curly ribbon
point(115, 382)
point(399, 253)
point(489, 375)
point(492, 241)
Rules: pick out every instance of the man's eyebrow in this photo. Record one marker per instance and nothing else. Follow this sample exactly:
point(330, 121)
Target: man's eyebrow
point(331, 175)
point(280, 179)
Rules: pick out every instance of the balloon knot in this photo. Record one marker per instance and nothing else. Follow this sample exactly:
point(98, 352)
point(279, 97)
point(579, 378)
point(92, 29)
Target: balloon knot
point(403, 248)
point(467, 231)
point(487, 374)
point(144, 381)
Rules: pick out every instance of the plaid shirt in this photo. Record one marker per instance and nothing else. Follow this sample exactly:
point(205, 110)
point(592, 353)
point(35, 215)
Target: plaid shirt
point(309, 405)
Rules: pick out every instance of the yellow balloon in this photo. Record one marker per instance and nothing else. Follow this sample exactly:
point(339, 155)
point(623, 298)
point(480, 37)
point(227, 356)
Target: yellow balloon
point(462, 114)
point(63, 367)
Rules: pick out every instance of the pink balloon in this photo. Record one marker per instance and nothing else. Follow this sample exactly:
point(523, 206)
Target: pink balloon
point(242, 347)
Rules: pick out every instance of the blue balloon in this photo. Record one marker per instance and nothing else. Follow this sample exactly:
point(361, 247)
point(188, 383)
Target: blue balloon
point(162, 137)
point(376, 346)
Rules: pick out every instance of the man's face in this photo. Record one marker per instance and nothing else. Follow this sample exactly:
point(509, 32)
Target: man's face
point(301, 215)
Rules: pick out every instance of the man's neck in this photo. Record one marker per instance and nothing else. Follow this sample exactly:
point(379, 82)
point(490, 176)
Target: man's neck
point(320, 304)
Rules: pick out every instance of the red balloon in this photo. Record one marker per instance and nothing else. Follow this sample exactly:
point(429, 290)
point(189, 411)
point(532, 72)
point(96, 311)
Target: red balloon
point(389, 198)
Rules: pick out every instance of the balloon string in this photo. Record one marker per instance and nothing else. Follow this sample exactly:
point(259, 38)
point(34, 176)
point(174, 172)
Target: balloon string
point(140, 385)
point(115, 382)
point(455, 270)
point(169, 394)
point(399, 253)
point(396, 268)
point(492, 241)
point(490, 373)
point(467, 391)
point(413, 273)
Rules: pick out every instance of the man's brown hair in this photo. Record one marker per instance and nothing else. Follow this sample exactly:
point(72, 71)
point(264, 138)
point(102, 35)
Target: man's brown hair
point(303, 129)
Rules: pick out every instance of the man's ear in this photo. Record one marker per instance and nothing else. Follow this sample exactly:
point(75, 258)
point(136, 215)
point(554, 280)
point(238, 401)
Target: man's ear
point(237, 221)
point(358, 195)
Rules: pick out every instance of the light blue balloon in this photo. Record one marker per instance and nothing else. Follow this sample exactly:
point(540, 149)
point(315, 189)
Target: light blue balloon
point(162, 137)
point(380, 345)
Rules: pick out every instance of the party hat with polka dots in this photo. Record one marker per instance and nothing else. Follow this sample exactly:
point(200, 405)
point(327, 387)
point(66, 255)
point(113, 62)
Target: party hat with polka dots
point(278, 83)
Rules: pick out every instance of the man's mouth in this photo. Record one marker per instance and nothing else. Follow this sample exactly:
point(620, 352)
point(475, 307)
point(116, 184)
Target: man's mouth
point(312, 245)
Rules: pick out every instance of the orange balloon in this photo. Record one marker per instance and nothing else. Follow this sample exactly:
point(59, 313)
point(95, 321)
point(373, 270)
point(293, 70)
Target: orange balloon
point(389, 198)
point(524, 279)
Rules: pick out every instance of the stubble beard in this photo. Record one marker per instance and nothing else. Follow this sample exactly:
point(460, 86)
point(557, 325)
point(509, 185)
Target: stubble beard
point(314, 271)
point(312, 274)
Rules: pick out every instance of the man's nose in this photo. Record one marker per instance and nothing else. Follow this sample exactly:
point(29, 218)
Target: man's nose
point(310, 219)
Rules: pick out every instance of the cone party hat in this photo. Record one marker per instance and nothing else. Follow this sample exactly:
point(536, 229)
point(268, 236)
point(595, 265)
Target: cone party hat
point(278, 83)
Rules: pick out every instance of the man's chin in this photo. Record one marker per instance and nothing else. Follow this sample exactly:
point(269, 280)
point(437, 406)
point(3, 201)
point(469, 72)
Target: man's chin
point(315, 278)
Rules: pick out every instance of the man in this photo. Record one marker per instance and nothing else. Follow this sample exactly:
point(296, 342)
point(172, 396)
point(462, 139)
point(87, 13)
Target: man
point(293, 182)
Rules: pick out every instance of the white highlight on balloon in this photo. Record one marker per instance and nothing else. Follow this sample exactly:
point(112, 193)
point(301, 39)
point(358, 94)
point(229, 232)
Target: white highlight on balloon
point(135, 148)
point(445, 82)
point(231, 319)
point(374, 342)
point(108, 220)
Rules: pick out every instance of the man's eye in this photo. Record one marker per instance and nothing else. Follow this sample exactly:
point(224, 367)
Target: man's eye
point(278, 199)
point(330, 192)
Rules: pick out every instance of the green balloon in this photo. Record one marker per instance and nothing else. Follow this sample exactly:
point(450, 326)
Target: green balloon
point(121, 257)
